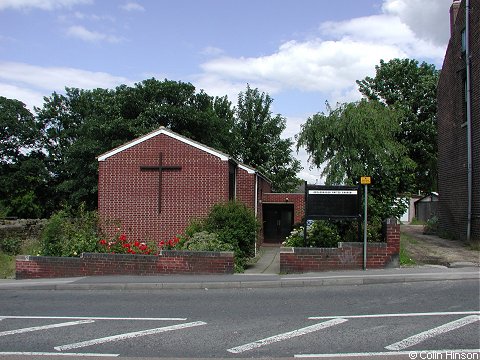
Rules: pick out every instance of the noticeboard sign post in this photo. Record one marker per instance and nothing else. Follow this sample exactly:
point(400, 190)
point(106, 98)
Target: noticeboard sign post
point(331, 203)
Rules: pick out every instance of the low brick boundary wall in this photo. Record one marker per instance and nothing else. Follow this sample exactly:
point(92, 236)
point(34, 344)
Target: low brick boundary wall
point(89, 264)
point(348, 256)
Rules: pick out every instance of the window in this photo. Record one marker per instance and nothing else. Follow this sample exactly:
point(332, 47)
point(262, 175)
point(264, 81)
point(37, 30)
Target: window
point(464, 40)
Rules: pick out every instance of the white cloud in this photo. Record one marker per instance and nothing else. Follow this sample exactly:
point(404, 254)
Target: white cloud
point(28, 96)
point(92, 17)
point(330, 62)
point(132, 6)
point(84, 34)
point(212, 51)
point(323, 66)
point(40, 4)
point(342, 52)
point(29, 83)
point(428, 19)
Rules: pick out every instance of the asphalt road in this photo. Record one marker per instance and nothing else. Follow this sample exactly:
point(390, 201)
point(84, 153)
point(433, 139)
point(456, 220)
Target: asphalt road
point(422, 319)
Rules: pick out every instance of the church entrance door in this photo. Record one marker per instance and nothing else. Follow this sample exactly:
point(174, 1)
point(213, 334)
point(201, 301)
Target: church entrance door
point(277, 222)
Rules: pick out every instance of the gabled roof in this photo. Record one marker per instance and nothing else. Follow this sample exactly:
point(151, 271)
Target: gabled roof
point(164, 131)
point(432, 196)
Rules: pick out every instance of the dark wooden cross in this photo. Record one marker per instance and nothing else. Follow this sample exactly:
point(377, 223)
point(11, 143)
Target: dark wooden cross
point(160, 168)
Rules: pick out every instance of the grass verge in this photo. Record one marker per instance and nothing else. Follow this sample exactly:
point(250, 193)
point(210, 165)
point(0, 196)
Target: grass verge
point(7, 266)
point(405, 258)
point(7, 261)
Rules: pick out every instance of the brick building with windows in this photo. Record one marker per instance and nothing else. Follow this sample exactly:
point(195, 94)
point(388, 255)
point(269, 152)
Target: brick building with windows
point(459, 126)
point(156, 184)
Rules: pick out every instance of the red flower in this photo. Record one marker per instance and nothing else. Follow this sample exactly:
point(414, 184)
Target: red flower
point(162, 243)
point(103, 242)
point(122, 237)
point(137, 243)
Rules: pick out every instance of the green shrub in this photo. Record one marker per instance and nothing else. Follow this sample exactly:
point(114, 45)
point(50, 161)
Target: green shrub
point(11, 245)
point(295, 239)
point(27, 206)
point(70, 233)
point(320, 233)
point(205, 241)
point(431, 227)
point(234, 224)
point(323, 233)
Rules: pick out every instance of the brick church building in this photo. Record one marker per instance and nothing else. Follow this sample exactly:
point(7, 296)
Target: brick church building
point(156, 184)
point(459, 126)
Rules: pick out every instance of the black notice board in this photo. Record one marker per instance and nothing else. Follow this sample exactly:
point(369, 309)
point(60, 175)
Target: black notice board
point(332, 202)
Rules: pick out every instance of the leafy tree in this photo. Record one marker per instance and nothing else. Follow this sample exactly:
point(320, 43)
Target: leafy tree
point(410, 87)
point(82, 124)
point(19, 132)
point(358, 139)
point(259, 140)
point(23, 176)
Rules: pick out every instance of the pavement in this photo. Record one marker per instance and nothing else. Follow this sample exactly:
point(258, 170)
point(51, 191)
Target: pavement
point(263, 274)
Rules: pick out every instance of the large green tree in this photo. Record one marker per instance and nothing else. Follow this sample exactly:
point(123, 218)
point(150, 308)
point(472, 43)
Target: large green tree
point(18, 130)
point(81, 124)
point(259, 141)
point(359, 139)
point(410, 87)
point(23, 176)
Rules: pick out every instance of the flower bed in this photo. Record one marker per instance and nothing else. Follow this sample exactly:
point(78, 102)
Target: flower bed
point(89, 264)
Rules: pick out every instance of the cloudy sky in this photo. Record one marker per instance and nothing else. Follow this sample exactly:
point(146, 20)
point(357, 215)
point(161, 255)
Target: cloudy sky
point(301, 52)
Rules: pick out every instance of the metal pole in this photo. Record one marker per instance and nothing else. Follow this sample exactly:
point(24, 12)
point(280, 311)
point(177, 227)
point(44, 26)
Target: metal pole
point(365, 230)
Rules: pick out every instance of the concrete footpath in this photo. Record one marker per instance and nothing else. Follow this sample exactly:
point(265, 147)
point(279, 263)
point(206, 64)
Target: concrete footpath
point(349, 277)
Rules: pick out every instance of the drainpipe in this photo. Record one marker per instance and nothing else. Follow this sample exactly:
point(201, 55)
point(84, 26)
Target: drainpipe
point(256, 210)
point(469, 119)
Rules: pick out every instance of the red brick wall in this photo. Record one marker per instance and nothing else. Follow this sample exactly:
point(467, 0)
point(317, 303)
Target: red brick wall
point(452, 133)
point(246, 193)
point(246, 188)
point(348, 256)
point(298, 201)
point(168, 262)
point(130, 196)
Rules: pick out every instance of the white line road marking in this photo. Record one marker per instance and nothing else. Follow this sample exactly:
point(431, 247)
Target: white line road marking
point(373, 276)
point(44, 327)
point(128, 335)
point(91, 318)
point(394, 315)
point(415, 339)
point(394, 353)
point(285, 336)
point(26, 353)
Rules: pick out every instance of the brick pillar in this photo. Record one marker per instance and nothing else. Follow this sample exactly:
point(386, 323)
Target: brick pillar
point(392, 235)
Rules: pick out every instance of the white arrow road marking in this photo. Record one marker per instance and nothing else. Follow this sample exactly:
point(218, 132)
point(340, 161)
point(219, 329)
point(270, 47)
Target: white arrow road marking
point(128, 335)
point(285, 336)
point(415, 339)
point(44, 327)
